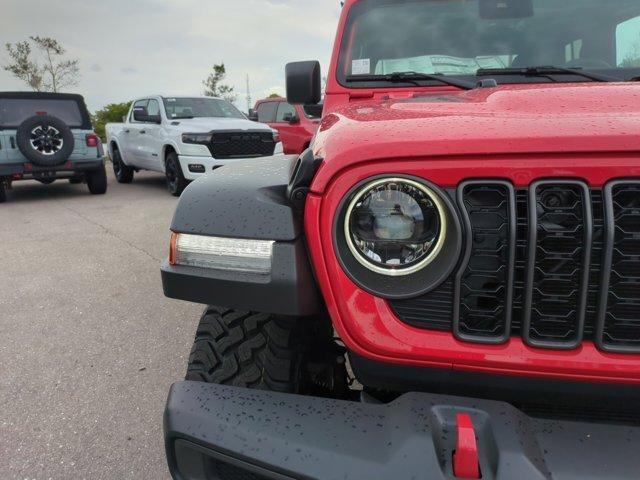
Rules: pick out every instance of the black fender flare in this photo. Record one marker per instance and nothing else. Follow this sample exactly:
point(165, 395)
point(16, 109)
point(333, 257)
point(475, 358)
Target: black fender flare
point(247, 200)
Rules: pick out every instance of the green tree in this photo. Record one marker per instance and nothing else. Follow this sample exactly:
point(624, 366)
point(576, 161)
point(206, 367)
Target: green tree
point(114, 112)
point(214, 86)
point(49, 73)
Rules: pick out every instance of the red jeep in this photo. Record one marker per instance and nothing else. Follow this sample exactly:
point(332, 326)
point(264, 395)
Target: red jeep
point(296, 124)
point(449, 278)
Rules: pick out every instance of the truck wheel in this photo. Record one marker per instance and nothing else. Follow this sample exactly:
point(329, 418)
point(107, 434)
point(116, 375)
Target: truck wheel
point(267, 352)
point(3, 191)
point(176, 182)
point(122, 172)
point(97, 181)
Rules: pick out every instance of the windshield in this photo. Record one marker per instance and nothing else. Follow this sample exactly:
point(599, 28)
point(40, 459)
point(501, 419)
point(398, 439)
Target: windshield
point(460, 37)
point(200, 108)
point(14, 111)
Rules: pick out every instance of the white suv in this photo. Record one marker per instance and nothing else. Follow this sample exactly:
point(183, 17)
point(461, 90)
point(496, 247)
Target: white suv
point(185, 137)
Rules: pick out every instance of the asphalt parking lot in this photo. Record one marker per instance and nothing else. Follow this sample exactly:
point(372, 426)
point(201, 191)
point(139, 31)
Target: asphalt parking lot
point(88, 343)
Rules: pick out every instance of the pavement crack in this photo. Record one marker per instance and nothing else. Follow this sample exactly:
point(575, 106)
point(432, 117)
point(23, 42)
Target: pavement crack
point(111, 233)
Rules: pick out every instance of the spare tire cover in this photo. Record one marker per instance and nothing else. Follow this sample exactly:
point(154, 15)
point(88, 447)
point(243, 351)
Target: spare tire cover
point(44, 140)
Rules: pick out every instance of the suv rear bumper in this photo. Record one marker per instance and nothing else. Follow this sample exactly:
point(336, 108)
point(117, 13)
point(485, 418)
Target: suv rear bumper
point(286, 436)
point(27, 170)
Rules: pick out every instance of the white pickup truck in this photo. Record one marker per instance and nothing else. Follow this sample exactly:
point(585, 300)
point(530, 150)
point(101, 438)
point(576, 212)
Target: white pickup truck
point(185, 137)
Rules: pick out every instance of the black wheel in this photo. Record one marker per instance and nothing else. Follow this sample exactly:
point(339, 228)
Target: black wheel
point(97, 181)
point(3, 191)
point(176, 182)
point(46, 141)
point(267, 352)
point(122, 172)
point(75, 180)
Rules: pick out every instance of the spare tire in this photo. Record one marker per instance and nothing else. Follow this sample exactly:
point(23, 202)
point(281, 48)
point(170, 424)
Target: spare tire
point(45, 141)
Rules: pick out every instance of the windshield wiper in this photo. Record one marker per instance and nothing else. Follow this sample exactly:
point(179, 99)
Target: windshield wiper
point(545, 71)
point(411, 77)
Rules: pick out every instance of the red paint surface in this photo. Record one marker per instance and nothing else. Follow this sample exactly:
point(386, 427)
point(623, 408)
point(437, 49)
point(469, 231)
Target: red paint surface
point(465, 459)
point(521, 133)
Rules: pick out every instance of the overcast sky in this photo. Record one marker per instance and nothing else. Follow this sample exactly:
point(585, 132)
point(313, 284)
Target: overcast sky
point(131, 48)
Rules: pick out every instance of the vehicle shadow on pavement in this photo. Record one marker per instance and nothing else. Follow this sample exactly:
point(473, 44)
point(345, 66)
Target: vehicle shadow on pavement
point(32, 191)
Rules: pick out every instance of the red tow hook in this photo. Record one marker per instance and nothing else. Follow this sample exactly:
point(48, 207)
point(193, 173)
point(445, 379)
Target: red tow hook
point(465, 459)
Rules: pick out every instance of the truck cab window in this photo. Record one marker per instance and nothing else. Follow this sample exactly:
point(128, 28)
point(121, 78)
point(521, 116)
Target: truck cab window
point(267, 112)
point(283, 109)
point(153, 108)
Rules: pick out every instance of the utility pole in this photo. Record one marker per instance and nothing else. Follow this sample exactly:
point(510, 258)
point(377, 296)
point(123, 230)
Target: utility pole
point(249, 105)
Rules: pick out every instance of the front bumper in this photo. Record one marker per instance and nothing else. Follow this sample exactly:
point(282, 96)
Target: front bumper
point(209, 428)
point(26, 171)
point(209, 163)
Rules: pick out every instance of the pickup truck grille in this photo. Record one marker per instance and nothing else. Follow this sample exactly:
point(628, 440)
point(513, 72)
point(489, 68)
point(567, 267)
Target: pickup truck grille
point(241, 144)
point(555, 264)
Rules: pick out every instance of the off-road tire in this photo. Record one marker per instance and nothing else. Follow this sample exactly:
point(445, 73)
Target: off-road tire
point(176, 183)
point(97, 181)
point(122, 172)
point(246, 349)
point(3, 191)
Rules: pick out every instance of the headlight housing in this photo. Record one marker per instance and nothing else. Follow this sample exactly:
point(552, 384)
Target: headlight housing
point(197, 138)
point(397, 236)
point(395, 226)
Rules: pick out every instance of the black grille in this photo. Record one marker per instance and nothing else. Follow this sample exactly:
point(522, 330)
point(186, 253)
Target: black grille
point(556, 239)
point(619, 317)
point(241, 144)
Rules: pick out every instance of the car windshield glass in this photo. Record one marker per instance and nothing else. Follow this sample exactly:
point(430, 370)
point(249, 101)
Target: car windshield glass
point(460, 37)
point(14, 111)
point(200, 108)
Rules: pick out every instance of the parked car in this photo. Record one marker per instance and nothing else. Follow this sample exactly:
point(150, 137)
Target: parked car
point(296, 124)
point(185, 138)
point(48, 137)
point(467, 222)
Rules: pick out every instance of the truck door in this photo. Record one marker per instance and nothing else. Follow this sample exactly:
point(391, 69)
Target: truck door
point(292, 134)
point(150, 138)
point(130, 143)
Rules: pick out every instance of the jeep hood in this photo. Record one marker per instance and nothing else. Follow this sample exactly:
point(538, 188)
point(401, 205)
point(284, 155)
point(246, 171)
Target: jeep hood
point(196, 125)
point(511, 119)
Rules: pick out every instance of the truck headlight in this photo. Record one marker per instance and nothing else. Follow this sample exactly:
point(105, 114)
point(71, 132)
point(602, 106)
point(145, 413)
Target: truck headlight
point(395, 226)
point(250, 256)
point(197, 138)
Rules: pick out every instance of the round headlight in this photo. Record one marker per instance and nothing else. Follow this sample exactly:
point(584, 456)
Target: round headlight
point(395, 226)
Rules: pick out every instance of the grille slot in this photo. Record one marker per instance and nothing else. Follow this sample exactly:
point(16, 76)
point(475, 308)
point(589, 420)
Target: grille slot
point(586, 233)
point(619, 318)
point(241, 144)
point(558, 256)
point(484, 283)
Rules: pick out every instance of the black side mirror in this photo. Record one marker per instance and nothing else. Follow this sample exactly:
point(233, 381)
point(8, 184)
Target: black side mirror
point(140, 114)
point(290, 118)
point(154, 119)
point(253, 115)
point(303, 82)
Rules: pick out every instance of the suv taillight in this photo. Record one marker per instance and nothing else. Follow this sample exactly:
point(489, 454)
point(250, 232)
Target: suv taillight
point(92, 140)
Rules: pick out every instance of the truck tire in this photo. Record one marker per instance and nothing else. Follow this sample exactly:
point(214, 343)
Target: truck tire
point(176, 183)
point(265, 352)
point(3, 191)
point(97, 181)
point(122, 172)
point(45, 141)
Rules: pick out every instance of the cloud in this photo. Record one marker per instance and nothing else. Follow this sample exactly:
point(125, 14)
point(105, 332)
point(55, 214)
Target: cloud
point(136, 48)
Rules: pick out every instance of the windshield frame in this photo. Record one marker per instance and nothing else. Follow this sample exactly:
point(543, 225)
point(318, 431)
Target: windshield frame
point(240, 115)
point(342, 56)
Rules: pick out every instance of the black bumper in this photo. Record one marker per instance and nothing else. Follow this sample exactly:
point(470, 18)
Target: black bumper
point(211, 429)
point(29, 170)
